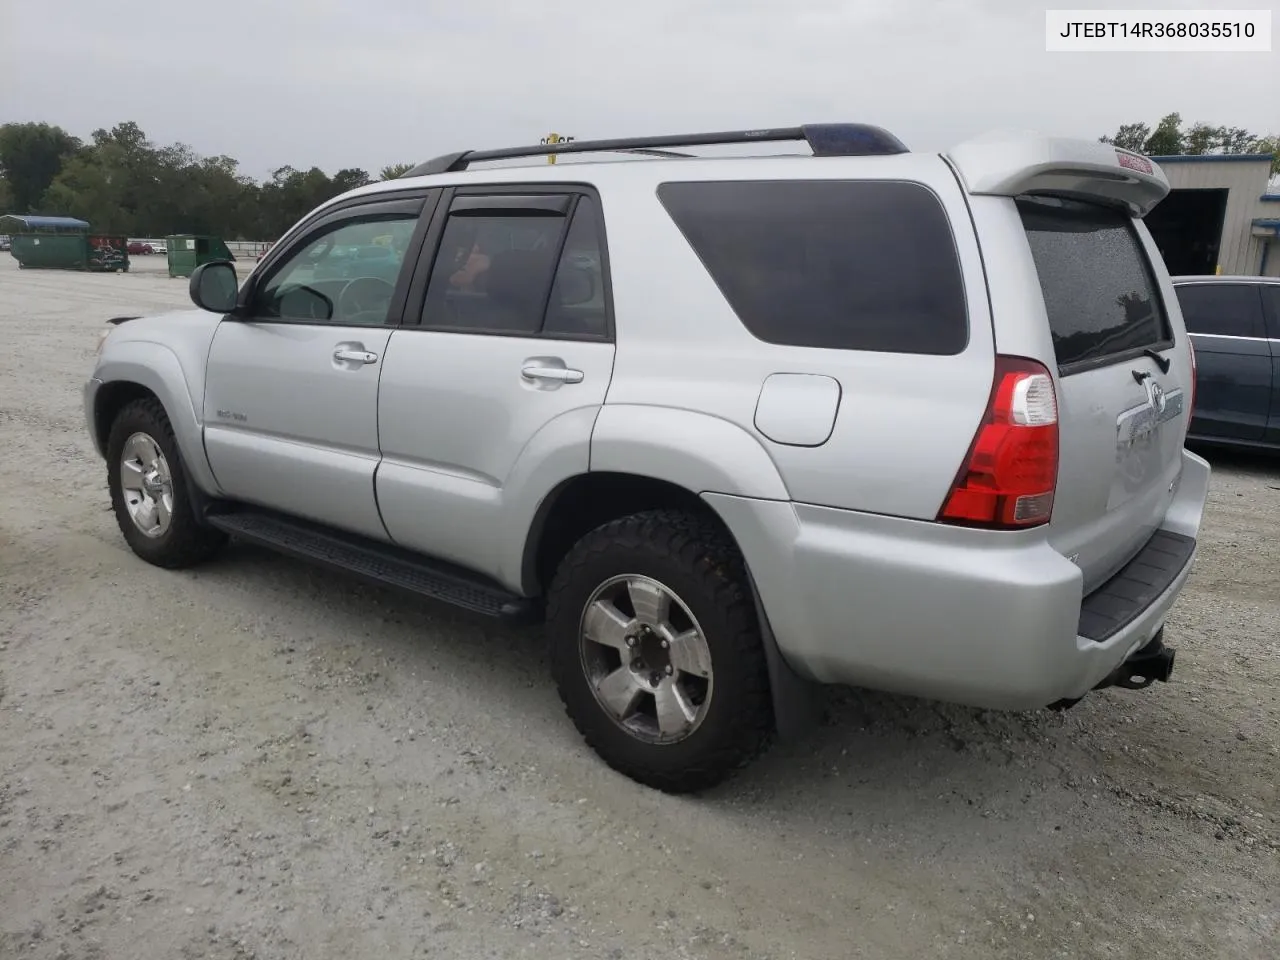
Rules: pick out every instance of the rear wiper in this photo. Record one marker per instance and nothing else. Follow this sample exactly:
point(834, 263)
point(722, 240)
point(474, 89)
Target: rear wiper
point(1162, 362)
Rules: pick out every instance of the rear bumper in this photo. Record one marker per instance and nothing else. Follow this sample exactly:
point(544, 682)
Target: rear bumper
point(993, 620)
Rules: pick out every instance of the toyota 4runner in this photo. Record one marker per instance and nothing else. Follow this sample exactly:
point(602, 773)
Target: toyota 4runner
point(907, 421)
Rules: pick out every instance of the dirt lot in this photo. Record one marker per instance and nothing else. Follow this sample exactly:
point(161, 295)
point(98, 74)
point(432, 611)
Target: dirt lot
point(262, 760)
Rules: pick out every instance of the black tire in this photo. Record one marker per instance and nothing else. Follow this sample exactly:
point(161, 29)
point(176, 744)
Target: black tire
point(695, 559)
point(186, 542)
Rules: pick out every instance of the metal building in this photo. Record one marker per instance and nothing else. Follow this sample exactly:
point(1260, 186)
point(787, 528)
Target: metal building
point(1219, 216)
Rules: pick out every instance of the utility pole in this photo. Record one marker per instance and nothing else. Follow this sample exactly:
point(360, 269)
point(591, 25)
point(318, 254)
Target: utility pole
point(552, 138)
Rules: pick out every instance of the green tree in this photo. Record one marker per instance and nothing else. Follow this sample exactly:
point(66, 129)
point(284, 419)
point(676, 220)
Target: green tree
point(1166, 139)
point(122, 182)
point(1130, 136)
point(6, 196)
point(31, 156)
point(291, 193)
point(1271, 145)
point(1201, 139)
point(349, 179)
point(1169, 138)
point(112, 183)
point(85, 189)
point(395, 171)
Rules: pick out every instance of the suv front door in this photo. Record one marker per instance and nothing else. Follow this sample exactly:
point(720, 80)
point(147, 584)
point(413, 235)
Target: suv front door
point(291, 392)
point(1233, 358)
point(488, 401)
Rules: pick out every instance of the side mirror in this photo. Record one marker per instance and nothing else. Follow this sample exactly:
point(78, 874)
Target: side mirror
point(213, 286)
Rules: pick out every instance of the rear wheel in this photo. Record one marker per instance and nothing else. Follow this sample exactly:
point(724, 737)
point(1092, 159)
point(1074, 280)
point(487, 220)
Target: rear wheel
point(657, 653)
point(149, 493)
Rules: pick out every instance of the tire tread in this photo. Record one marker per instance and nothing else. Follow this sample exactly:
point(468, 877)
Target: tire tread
point(700, 546)
point(187, 543)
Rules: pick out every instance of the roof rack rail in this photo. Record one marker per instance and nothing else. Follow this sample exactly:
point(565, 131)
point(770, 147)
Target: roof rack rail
point(825, 139)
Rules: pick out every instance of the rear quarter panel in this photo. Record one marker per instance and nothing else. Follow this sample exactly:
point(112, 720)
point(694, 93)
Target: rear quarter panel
point(904, 421)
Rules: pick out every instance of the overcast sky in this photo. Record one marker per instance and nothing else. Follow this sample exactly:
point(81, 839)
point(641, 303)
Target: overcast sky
point(340, 83)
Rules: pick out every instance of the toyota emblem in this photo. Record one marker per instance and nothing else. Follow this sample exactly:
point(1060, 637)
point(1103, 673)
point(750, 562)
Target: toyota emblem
point(1158, 399)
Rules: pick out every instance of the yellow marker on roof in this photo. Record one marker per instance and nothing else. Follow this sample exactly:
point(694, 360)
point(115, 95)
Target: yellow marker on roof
point(553, 138)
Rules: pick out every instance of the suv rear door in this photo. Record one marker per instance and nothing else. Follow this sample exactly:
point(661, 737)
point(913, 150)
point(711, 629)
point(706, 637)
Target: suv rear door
point(490, 390)
point(1233, 357)
point(1123, 416)
point(1079, 286)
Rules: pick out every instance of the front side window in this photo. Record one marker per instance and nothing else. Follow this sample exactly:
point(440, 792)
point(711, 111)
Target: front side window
point(346, 274)
point(524, 271)
point(1221, 309)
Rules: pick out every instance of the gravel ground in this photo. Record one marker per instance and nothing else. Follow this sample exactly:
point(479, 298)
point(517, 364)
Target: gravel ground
point(262, 760)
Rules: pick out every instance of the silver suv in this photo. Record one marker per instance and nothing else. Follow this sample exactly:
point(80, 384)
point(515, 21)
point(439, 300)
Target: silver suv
point(900, 420)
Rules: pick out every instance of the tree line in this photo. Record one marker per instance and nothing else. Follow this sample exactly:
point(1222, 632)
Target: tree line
point(121, 182)
point(1169, 137)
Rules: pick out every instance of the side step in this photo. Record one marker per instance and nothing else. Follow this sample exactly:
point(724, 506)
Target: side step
point(375, 562)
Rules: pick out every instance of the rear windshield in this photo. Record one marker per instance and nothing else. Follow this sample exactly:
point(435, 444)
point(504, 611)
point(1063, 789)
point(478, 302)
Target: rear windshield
point(852, 265)
point(1098, 287)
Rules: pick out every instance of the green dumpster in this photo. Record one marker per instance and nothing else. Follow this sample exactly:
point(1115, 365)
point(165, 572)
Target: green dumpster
point(64, 243)
point(186, 251)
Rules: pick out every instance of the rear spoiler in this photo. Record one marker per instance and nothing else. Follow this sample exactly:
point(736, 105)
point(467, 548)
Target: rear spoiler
point(1012, 164)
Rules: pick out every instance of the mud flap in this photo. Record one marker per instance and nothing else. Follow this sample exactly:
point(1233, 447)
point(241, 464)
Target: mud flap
point(796, 703)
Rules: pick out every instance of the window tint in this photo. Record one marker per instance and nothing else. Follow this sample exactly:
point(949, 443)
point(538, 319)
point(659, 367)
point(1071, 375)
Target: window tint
point(1271, 297)
point(1098, 288)
point(346, 274)
point(854, 265)
point(507, 272)
point(577, 305)
point(1232, 310)
point(493, 272)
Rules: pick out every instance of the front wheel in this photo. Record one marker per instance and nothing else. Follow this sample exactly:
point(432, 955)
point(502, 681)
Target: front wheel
point(149, 492)
point(657, 652)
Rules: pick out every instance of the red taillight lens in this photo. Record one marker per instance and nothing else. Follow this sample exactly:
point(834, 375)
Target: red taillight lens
point(1009, 477)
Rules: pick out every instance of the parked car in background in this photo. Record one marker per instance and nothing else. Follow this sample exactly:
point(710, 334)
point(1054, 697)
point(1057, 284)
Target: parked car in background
point(4, 243)
point(140, 247)
point(1234, 325)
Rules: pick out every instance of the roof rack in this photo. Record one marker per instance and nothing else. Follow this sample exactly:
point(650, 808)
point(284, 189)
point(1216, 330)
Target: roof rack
point(825, 139)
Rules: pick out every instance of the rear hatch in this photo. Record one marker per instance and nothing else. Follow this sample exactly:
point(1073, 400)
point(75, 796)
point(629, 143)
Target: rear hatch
point(1077, 284)
point(1122, 387)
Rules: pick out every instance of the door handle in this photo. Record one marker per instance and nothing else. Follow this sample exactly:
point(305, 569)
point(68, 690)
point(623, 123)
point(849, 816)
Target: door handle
point(536, 371)
point(354, 356)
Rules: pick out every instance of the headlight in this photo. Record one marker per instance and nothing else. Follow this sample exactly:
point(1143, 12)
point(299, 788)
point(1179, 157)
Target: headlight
point(102, 339)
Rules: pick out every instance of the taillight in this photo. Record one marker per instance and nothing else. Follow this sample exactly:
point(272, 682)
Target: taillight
point(1009, 476)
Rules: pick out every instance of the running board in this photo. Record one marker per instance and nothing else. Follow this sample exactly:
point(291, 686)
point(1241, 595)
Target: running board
point(374, 562)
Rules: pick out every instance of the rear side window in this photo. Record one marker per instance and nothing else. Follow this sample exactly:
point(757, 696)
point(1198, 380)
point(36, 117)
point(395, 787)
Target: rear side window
point(1099, 290)
point(1227, 310)
point(852, 265)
